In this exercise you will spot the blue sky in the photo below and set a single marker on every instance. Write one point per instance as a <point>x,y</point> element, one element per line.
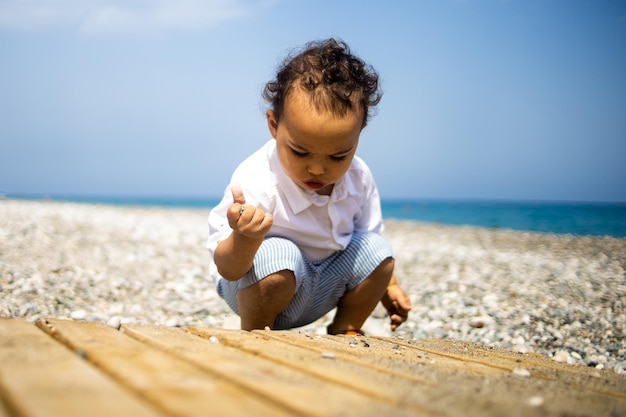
<point>489,99</point>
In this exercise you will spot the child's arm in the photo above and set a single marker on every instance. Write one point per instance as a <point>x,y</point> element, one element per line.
<point>397,304</point>
<point>234,255</point>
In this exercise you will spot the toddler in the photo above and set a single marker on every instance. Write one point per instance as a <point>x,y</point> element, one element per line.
<point>298,230</point>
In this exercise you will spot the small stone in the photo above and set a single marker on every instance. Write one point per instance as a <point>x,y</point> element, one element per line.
<point>480,322</point>
<point>115,322</point>
<point>535,401</point>
<point>564,357</point>
<point>523,372</point>
<point>214,339</point>
<point>328,355</point>
<point>171,323</point>
<point>267,328</point>
<point>561,356</point>
<point>598,359</point>
<point>78,315</point>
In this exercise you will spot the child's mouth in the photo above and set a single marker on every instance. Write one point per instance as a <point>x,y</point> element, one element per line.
<point>314,185</point>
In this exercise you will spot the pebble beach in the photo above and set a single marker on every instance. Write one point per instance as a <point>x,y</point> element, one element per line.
<point>562,296</point>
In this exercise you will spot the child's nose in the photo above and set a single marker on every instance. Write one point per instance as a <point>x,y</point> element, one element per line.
<point>315,168</point>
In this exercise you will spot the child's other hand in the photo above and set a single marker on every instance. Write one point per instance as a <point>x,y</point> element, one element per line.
<point>397,304</point>
<point>247,220</point>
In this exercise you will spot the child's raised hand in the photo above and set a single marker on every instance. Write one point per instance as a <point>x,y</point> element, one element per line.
<point>397,304</point>
<point>247,220</point>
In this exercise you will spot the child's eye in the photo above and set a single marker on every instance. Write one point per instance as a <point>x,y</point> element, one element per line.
<point>338,158</point>
<point>298,154</point>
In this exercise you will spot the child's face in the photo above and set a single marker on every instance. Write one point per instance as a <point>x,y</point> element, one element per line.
<point>314,149</point>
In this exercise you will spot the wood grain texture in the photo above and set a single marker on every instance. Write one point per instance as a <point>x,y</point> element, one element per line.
<point>74,368</point>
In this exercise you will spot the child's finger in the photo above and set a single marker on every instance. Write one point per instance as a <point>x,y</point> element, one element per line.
<point>396,321</point>
<point>238,196</point>
<point>405,304</point>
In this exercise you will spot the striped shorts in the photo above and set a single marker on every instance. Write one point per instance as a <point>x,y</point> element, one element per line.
<point>319,284</point>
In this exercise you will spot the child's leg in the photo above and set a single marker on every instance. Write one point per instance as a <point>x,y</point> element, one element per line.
<point>357,304</point>
<point>268,288</point>
<point>260,303</point>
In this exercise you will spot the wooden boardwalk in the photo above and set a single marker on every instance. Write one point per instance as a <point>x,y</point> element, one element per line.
<point>72,368</point>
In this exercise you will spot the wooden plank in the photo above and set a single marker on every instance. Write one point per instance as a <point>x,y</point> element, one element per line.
<point>171,383</point>
<point>384,354</point>
<point>287,383</point>
<point>470,358</point>
<point>151,371</point>
<point>603,382</point>
<point>3,410</point>
<point>406,386</point>
<point>571,387</point>
<point>462,390</point>
<point>40,377</point>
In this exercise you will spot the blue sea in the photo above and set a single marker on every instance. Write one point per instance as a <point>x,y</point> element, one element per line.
<point>584,218</point>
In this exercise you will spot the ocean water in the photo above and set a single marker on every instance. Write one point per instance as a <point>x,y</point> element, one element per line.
<point>593,219</point>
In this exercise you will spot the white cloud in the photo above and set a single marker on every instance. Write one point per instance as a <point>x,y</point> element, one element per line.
<point>99,17</point>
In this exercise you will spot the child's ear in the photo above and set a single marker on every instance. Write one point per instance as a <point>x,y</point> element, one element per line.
<point>272,122</point>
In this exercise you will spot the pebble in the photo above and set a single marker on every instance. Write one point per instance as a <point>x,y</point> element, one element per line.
<point>173,322</point>
<point>561,296</point>
<point>523,372</point>
<point>566,357</point>
<point>480,322</point>
<point>535,401</point>
<point>78,315</point>
<point>115,322</point>
<point>328,355</point>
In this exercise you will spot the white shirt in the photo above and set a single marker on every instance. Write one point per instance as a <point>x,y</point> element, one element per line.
<point>320,225</point>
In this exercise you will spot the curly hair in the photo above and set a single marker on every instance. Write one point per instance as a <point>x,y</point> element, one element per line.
<point>336,80</point>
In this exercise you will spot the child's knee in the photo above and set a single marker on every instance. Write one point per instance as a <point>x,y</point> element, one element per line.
<point>385,268</point>
<point>279,282</point>
<point>276,287</point>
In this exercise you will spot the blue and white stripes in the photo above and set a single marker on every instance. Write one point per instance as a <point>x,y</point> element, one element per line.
<point>319,285</point>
